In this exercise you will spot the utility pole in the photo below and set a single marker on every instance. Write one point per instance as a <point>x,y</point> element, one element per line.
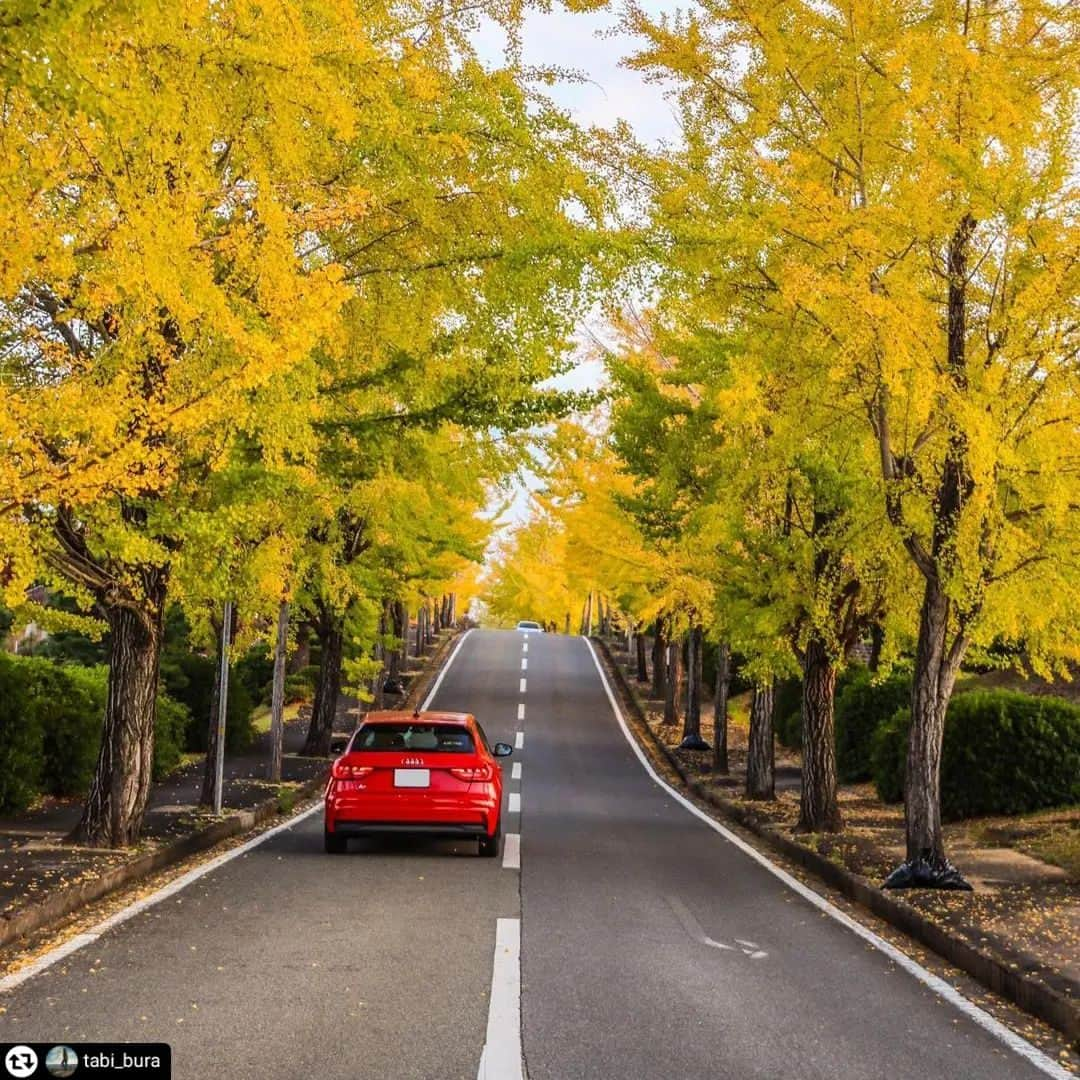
<point>277,695</point>
<point>223,703</point>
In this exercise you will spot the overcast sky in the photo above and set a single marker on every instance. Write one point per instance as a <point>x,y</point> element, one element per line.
<point>591,45</point>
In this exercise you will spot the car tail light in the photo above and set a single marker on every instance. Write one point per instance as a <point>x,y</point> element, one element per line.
<point>343,771</point>
<point>479,772</point>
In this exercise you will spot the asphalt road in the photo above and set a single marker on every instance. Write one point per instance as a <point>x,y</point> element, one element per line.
<point>651,947</point>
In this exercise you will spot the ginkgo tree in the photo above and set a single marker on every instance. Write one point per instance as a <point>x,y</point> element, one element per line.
<point>200,200</point>
<point>894,183</point>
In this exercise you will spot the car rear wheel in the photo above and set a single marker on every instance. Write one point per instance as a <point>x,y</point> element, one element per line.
<point>335,845</point>
<point>489,845</point>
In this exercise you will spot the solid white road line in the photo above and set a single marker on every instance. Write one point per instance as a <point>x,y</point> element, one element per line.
<point>46,960</point>
<point>442,674</point>
<point>515,772</point>
<point>512,851</point>
<point>524,664</point>
<point>988,1023</point>
<point>501,1059</point>
<point>519,740</point>
<point>521,686</point>
<point>515,803</point>
<point>9,982</point>
<point>521,711</point>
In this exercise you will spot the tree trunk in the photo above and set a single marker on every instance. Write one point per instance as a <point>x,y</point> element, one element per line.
<point>379,653</point>
<point>674,682</point>
<point>642,664</point>
<point>720,708</point>
<point>301,658</point>
<point>695,647</point>
<point>116,804</point>
<point>819,810</point>
<point>760,768</point>
<point>936,667</point>
<point>277,693</point>
<point>331,630</point>
<point>659,663</point>
<point>399,621</point>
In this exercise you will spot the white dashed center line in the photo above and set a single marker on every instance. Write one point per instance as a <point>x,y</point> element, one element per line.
<point>512,851</point>
<point>521,711</point>
<point>515,772</point>
<point>524,664</point>
<point>521,688</point>
<point>515,803</point>
<point>519,740</point>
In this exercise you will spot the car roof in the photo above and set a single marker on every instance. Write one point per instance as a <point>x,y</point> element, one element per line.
<point>398,716</point>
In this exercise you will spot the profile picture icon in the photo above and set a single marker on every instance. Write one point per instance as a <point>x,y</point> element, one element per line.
<point>61,1061</point>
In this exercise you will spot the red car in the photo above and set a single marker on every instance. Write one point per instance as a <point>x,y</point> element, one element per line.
<point>432,773</point>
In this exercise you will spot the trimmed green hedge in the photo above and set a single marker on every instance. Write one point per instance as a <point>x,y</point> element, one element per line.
<point>189,678</point>
<point>862,706</point>
<point>1003,753</point>
<point>788,710</point>
<point>787,713</point>
<point>50,729</point>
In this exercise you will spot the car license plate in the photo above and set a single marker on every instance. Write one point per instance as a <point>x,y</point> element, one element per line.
<point>412,778</point>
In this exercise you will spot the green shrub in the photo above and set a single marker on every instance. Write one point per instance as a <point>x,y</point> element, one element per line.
<point>888,756</point>
<point>788,707</point>
<point>189,678</point>
<point>255,671</point>
<point>862,706</point>
<point>21,757</point>
<point>300,686</point>
<point>72,707</point>
<point>1003,753</point>
<point>50,729</point>
<point>787,713</point>
<point>169,733</point>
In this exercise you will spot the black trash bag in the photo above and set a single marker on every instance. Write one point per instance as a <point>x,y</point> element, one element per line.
<point>926,873</point>
<point>694,742</point>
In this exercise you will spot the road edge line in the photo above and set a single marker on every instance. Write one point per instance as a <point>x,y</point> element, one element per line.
<point>1019,1045</point>
<point>443,670</point>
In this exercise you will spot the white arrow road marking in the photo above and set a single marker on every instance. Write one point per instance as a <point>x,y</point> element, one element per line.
<point>512,851</point>
<point>693,927</point>
<point>501,1059</point>
<point>515,772</point>
<point>939,986</point>
<point>519,740</point>
<point>515,803</point>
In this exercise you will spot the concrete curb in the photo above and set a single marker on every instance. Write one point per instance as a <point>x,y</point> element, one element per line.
<point>1055,1007</point>
<point>61,902</point>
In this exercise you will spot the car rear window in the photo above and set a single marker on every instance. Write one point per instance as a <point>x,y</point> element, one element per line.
<point>435,738</point>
